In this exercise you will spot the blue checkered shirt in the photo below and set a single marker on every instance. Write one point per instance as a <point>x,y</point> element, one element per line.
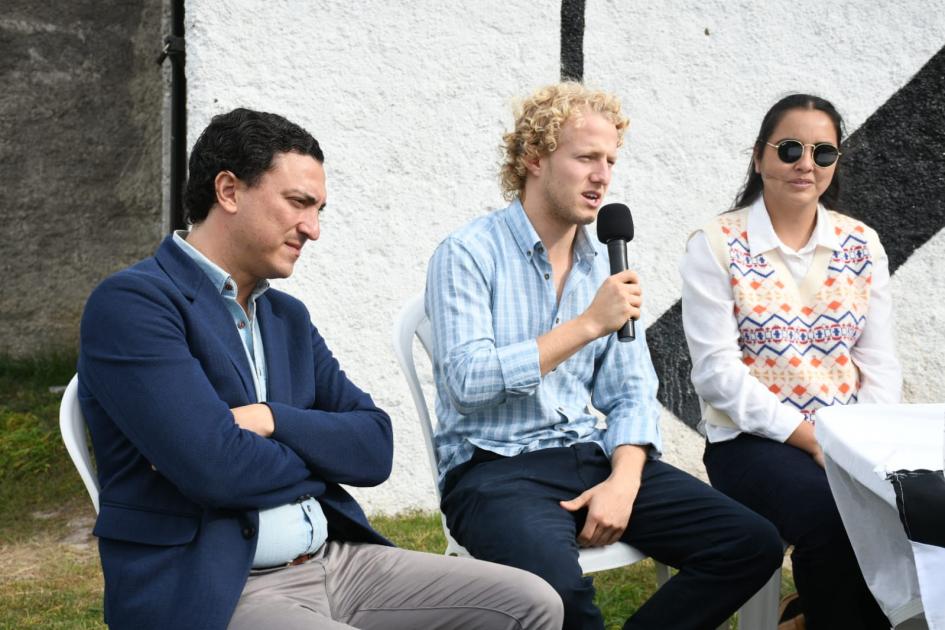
<point>490,294</point>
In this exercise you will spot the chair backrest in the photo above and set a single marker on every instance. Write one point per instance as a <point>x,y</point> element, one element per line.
<point>72,426</point>
<point>412,322</point>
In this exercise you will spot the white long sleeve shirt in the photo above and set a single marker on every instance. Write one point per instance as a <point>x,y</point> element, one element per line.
<point>721,378</point>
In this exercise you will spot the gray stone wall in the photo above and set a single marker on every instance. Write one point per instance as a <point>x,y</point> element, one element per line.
<point>80,159</point>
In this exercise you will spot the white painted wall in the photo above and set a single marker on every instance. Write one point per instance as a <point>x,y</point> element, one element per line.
<point>409,101</point>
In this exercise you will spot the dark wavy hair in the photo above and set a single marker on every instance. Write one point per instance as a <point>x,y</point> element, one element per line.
<point>243,142</point>
<point>753,186</point>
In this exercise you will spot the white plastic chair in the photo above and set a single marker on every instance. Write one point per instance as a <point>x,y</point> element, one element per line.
<point>411,322</point>
<point>761,611</point>
<point>72,427</point>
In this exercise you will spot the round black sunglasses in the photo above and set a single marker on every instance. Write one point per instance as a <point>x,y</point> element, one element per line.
<point>790,151</point>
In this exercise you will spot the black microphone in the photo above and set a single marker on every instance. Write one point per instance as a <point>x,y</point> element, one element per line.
<point>615,228</point>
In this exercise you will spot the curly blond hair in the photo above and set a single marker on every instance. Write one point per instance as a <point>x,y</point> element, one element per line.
<point>538,122</point>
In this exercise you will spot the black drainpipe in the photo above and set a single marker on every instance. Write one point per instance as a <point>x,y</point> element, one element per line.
<point>174,50</point>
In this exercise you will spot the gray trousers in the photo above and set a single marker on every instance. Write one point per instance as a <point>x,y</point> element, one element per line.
<point>349,585</point>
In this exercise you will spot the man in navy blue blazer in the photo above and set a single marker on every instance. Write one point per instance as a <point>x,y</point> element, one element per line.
<point>222,427</point>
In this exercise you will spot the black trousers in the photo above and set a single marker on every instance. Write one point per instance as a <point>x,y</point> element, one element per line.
<point>505,509</point>
<point>785,485</point>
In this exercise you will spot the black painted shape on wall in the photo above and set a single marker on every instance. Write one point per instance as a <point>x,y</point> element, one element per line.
<point>670,354</point>
<point>572,40</point>
<point>893,171</point>
<point>893,166</point>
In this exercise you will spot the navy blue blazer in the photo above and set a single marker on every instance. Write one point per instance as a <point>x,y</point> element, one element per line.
<point>161,364</point>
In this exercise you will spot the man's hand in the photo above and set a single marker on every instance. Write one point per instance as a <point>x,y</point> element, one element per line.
<point>618,299</point>
<point>256,418</point>
<point>608,504</point>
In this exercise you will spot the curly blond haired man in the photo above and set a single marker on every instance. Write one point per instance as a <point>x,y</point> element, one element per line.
<point>524,311</point>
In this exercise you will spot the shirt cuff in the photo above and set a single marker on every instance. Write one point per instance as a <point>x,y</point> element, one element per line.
<point>784,423</point>
<point>623,432</point>
<point>521,371</point>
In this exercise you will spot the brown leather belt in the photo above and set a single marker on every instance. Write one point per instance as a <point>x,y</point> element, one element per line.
<point>305,557</point>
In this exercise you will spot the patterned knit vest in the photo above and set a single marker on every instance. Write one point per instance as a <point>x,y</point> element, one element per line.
<point>795,339</point>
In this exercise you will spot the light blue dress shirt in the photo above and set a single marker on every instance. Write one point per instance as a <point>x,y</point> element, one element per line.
<point>490,294</point>
<point>286,531</point>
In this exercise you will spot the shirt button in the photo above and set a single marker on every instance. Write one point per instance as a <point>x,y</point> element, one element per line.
<point>241,325</point>
<point>249,532</point>
<point>547,276</point>
<point>557,320</point>
<point>539,248</point>
<point>228,286</point>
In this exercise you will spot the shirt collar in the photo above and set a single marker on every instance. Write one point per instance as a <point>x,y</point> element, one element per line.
<point>763,237</point>
<point>220,279</point>
<point>522,229</point>
<point>528,240</point>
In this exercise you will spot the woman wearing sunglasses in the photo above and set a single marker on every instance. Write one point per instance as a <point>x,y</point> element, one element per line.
<point>787,308</point>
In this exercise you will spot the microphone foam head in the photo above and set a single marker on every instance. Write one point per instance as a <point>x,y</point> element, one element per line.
<point>614,222</point>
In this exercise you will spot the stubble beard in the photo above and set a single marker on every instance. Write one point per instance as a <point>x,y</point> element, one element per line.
<point>564,211</point>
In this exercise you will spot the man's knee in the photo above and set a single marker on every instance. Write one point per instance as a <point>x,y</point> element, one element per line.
<point>544,606</point>
<point>755,544</point>
<point>763,539</point>
<point>573,590</point>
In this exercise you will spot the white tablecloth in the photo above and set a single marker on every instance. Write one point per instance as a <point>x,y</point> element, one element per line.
<point>864,445</point>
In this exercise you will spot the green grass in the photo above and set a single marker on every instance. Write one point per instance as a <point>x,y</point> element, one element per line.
<point>44,581</point>
<point>35,472</point>
<point>50,575</point>
<point>52,586</point>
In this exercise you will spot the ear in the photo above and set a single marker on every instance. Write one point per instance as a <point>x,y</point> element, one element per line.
<point>533,165</point>
<point>225,185</point>
<point>755,157</point>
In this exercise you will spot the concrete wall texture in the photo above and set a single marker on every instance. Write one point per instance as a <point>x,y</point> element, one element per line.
<point>80,159</point>
<point>409,101</point>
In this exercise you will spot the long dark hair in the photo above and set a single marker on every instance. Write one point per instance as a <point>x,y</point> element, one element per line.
<point>753,186</point>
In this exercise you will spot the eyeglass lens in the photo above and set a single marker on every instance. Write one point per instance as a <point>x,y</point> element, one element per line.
<point>790,151</point>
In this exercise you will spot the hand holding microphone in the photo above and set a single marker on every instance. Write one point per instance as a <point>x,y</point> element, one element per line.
<point>620,295</point>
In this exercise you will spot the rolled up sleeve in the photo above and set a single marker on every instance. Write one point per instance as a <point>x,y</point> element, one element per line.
<point>625,389</point>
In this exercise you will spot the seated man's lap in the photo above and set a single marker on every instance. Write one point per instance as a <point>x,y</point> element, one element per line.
<point>508,511</point>
<point>375,586</point>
